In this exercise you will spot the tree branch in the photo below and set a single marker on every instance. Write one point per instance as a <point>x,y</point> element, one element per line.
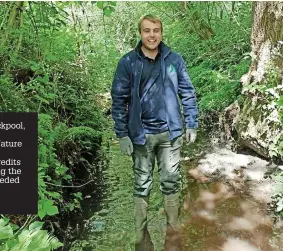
<point>69,186</point>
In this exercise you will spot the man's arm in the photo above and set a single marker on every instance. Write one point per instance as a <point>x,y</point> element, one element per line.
<point>120,93</point>
<point>188,97</point>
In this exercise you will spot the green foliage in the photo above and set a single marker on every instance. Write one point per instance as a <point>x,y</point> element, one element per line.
<point>215,90</point>
<point>12,99</point>
<point>107,7</point>
<point>216,62</point>
<point>27,239</point>
<point>46,207</point>
<point>81,131</point>
<point>61,87</point>
<point>51,169</point>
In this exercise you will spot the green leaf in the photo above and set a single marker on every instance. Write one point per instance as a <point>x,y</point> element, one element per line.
<point>6,230</point>
<point>54,195</point>
<point>41,99</point>
<point>35,66</point>
<point>71,206</point>
<point>280,101</point>
<point>41,213</point>
<point>100,5</point>
<point>47,203</point>
<point>67,177</point>
<point>14,226</point>
<point>34,239</point>
<point>47,208</point>
<point>78,195</point>
<point>112,3</point>
<point>44,80</point>
<point>52,210</point>
<point>51,57</point>
<point>108,10</point>
<point>43,165</point>
<point>35,225</point>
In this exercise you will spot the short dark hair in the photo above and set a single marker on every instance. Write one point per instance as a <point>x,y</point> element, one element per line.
<point>151,18</point>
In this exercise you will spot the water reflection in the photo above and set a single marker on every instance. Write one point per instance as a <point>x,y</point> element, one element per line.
<point>223,217</point>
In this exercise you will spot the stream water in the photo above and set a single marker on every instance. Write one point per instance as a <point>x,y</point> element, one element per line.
<point>222,218</point>
<point>216,214</point>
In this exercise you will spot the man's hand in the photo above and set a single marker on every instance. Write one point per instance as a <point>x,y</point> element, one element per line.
<point>126,145</point>
<point>191,135</point>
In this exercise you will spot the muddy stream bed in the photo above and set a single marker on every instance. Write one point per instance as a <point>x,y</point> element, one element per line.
<point>223,206</point>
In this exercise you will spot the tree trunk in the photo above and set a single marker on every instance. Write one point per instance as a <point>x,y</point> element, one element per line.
<point>15,12</point>
<point>259,126</point>
<point>267,31</point>
<point>13,19</point>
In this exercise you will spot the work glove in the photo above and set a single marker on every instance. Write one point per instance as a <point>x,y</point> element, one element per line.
<point>126,145</point>
<point>191,135</point>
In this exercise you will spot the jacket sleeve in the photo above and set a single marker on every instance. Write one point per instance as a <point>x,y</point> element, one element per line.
<point>120,93</point>
<point>187,95</point>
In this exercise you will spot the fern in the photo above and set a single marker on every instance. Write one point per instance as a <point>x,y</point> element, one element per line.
<point>31,239</point>
<point>80,131</point>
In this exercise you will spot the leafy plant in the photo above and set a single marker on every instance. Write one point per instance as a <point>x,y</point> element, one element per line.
<point>27,239</point>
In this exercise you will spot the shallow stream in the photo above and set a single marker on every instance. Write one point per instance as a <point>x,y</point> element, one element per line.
<point>218,212</point>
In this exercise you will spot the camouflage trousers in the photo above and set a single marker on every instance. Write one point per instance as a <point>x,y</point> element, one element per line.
<point>167,154</point>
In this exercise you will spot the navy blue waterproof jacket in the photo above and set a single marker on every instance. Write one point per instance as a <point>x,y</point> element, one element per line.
<point>126,106</point>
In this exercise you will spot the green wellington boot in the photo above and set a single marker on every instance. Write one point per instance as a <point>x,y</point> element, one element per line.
<point>173,240</point>
<point>143,240</point>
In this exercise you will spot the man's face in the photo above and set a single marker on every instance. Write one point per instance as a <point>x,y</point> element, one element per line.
<point>151,34</point>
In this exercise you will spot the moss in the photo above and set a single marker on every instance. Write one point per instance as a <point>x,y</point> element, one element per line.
<point>255,129</point>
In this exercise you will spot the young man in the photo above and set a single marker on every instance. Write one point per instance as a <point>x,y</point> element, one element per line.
<point>146,89</point>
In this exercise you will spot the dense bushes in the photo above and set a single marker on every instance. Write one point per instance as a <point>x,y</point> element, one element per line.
<point>46,74</point>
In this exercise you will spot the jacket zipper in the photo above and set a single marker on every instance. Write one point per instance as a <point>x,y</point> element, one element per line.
<point>163,71</point>
<point>138,88</point>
